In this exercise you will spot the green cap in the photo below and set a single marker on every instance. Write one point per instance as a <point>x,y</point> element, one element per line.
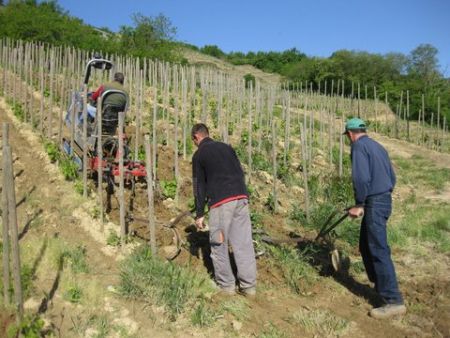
<point>355,124</point>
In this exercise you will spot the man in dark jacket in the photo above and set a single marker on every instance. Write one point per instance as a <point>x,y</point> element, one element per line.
<point>373,181</point>
<point>218,180</point>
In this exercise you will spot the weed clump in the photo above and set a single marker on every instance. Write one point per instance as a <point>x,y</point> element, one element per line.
<point>76,258</point>
<point>294,265</point>
<point>150,278</point>
<point>169,188</point>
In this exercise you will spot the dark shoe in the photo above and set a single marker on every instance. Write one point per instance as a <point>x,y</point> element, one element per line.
<point>249,292</point>
<point>388,311</point>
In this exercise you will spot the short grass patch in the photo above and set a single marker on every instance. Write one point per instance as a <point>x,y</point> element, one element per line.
<point>297,272</point>
<point>272,331</point>
<point>423,221</point>
<point>418,170</point>
<point>236,306</point>
<point>320,322</point>
<point>76,259</point>
<point>152,279</point>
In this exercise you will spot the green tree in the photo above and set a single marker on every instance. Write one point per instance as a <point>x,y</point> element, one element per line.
<point>212,50</point>
<point>150,37</point>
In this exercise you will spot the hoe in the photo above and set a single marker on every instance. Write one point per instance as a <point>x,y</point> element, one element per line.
<point>326,228</point>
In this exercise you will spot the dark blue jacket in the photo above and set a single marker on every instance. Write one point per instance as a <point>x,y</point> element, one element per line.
<point>372,171</point>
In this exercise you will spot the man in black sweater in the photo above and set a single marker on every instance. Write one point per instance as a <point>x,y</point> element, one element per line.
<point>218,181</point>
<point>373,181</point>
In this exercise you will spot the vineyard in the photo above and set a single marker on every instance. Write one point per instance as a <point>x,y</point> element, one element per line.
<point>295,158</point>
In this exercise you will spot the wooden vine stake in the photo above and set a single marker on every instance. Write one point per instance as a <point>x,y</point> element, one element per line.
<point>5,221</point>
<point>12,221</point>
<point>274,164</point>
<point>85,145</point>
<point>123,229</point>
<point>305,170</point>
<point>151,211</point>
<point>100,161</point>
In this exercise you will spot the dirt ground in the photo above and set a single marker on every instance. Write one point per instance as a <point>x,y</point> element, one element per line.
<point>46,195</point>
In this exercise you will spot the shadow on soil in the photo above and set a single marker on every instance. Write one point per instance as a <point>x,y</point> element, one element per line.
<point>27,226</point>
<point>199,247</point>
<point>319,257</point>
<point>27,195</point>
<point>49,297</point>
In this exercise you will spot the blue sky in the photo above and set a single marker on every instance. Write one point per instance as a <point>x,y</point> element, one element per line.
<point>315,27</point>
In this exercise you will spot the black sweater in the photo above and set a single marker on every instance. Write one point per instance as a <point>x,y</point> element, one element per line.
<point>216,174</point>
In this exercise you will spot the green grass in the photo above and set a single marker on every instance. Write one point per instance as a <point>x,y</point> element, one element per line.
<point>418,170</point>
<point>320,322</point>
<point>422,222</point>
<point>297,272</point>
<point>271,331</point>
<point>73,294</point>
<point>76,259</point>
<point>68,168</point>
<point>152,279</point>
<point>237,306</point>
<point>29,327</point>
<point>52,150</point>
<point>169,188</point>
<point>113,239</point>
<point>17,109</point>
<point>204,315</point>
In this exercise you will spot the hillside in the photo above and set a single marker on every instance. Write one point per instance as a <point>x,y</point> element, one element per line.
<point>199,59</point>
<point>81,282</point>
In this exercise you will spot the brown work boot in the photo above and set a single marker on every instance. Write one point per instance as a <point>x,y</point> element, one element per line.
<point>388,311</point>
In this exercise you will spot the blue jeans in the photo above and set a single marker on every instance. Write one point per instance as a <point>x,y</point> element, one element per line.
<point>375,250</point>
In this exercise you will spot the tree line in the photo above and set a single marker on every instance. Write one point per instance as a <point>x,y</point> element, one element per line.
<point>392,73</point>
<point>46,21</point>
<point>357,72</point>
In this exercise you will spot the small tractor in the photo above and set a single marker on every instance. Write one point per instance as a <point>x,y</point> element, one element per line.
<point>134,170</point>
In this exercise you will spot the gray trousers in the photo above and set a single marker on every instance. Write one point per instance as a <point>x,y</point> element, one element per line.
<point>229,224</point>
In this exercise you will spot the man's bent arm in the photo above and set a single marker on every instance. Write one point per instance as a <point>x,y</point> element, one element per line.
<point>360,176</point>
<point>199,185</point>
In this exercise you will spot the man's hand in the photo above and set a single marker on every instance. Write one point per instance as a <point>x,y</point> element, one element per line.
<point>199,223</point>
<point>356,212</point>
